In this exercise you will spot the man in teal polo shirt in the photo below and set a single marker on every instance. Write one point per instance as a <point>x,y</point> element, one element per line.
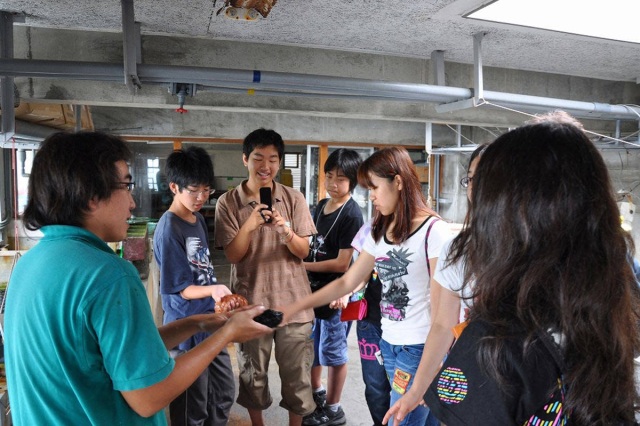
<point>81,344</point>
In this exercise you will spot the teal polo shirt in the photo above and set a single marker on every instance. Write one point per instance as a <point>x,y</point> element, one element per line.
<point>78,330</point>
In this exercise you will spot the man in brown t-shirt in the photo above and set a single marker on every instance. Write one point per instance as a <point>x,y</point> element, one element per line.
<point>266,249</point>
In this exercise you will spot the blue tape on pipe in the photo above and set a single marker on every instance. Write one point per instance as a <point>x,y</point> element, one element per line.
<point>256,76</point>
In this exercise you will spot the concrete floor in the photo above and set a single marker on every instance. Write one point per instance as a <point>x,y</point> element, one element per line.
<point>353,402</point>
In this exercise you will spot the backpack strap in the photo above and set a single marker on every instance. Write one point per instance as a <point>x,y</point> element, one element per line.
<point>553,410</point>
<point>426,242</point>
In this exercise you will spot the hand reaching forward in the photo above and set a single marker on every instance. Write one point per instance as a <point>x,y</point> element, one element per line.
<point>218,291</point>
<point>399,410</point>
<point>241,325</point>
<point>340,303</point>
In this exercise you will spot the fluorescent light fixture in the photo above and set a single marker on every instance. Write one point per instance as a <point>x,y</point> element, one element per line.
<point>611,19</point>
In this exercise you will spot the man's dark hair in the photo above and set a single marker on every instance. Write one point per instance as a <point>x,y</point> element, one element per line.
<point>190,166</point>
<point>68,171</point>
<point>260,138</point>
<point>347,161</point>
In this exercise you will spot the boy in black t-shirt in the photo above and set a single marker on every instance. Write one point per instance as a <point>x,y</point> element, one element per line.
<point>337,220</point>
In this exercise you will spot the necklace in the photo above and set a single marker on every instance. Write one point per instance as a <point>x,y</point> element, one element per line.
<point>332,225</point>
<point>335,220</point>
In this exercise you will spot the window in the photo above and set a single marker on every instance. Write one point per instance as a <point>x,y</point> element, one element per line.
<point>25,161</point>
<point>292,161</point>
<point>153,168</point>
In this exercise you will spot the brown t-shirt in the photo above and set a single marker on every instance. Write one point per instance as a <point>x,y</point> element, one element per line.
<point>269,273</point>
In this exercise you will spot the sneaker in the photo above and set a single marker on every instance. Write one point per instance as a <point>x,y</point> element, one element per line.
<point>317,418</point>
<point>320,398</point>
<point>335,418</point>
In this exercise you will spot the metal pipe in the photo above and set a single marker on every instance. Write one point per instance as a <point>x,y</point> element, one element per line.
<point>5,190</point>
<point>129,43</point>
<point>8,117</point>
<point>77,111</point>
<point>307,83</point>
<point>6,82</point>
<point>312,94</point>
<point>478,81</point>
<point>436,183</point>
<point>578,108</point>
<point>437,61</point>
<point>69,70</point>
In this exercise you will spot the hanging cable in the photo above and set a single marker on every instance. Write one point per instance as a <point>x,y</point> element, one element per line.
<point>495,135</point>
<point>628,106</point>
<point>585,130</point>
<point>460,134</point>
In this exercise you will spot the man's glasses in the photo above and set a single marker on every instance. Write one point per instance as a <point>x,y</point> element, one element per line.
<point>465,181</point>
<point>195,193</point>
<point>127,185</point>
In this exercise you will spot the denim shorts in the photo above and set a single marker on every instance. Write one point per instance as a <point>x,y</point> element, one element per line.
<point>330,341</point>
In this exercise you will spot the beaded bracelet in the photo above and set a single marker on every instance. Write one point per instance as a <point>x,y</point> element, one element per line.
<point>290,233</point>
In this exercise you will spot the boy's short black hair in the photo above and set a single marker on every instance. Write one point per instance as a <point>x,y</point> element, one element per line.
<point>69,170</point>
<point>347,161</point>
<point>190,166</point>
<point>260,138</point>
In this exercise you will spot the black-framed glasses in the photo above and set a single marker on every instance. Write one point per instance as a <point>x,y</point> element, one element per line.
<point>127,185</point>
<point>194,193</point>
<point>466,181</point>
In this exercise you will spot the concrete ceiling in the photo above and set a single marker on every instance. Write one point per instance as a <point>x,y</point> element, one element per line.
<point>371,39</point>
<point>412,29</point>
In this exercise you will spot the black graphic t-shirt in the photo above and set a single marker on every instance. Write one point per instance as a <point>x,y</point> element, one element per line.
<point>326,245</point>
<point>463,394</point>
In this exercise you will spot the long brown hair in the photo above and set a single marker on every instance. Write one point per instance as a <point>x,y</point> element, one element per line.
<point>546,250</point>
<point>388,163</point>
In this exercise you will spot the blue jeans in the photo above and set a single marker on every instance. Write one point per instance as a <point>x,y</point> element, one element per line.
<point>401,363</point>
<point>376,385</point>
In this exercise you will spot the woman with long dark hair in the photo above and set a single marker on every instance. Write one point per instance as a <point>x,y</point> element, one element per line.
<point>554,323</point>
<point>403,246</point>
<point>451,308</point>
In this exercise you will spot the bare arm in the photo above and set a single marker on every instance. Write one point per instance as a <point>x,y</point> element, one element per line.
<point>342,302</point>
<point>180,330</point>
<point>357,273</point>
<point>436,346</point>
<point>203,291</point>
<point>239,328</point>
<point>339,264</point>
<point>434,290</point>
<point>238,247</point>
<point>299,246</point>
